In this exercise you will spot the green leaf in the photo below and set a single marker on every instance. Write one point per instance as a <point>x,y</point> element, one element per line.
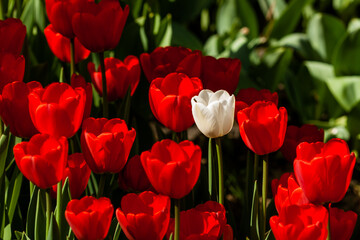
<point>346,91</point>
<point>347,54</point>
<point>53,233</point>
<point>40,219</point>
<point>324,32</point>
<point>39,14</point>
<point>248,17</point>
<point>300,43</point>
<point>254,217</point>
<point>117,232</point>
<point>4,145</point>
<point>27,16</point>
<point>21,236</point>
<point>181,36</point>
<point>226,16</point>
<point>61,204</point>
<point>289,18</point>
<point>14,192</point>
<point>163,38</point>
<point>30,220</point>
<point>354,25</point>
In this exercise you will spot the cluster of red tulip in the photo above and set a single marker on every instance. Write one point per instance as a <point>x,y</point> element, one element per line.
<point>48,116</point>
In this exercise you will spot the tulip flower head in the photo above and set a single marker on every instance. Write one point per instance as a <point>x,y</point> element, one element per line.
<point>263,126</point>
<point>172,168</point>
<point>58,110</point>
<point>106,144</point>
<point>170,100</point>
<point>213,112</point>
<point>324,170</point>
<point>144,216</point>
<point>300,223</point>
<point>14,108</point>
<point>89,218</point>
<point>42,160</point>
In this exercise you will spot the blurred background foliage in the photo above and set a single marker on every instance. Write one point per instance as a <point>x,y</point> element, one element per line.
<point>306,50</point>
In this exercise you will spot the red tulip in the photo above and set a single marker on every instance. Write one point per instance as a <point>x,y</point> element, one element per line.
<point>324,170</point>
<point>78,173</point>
<point>172,168</point>
<point>106,144</point>
<point>144,216</point>
<point>60,13</point>
<point>78,81</point>
<point>60,46</point>
<point>218,211</point>
<point>196,224</point>
<point>222,73</point>
<point>58,110</point>
<point>133,176</point>
<point>89,218</point>
<point>119,76</point>
<point>170,100</point>
<point>14,108</point>
<point>246,97</point>
<point>287,192</point>
<point>99,26</point>
<point>342,223</point>
<point>12,32</point>
<point>165,60</point>
<point>296,135</point>
<point>300,223</point>
<point>12,69</point>
<point>262,127</point>
<point>42,160</point>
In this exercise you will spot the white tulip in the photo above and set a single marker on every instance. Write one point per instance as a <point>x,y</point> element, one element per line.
<point>213,112</point>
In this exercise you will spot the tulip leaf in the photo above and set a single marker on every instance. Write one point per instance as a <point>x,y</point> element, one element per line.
<point>289,18</point>
<point>346,54</point>
<point>117,232</point>
<point>324,32</point>
<point>272,8</point>
<point>226,17</point>
<point>21,236</point>
<point>53,232</point>
<point>60,215</point>
<point>248,17</point>
<point>183,37</point>
<point>171,236</point>
<point>14,192</point>
<point>2,204</point>
<point>346,91</point>
<point>300,43</point>
<point>254,216</point>
<point>40,220</point>
<point>163,37</point>
<point>4,145</point>
<point>30,220</point>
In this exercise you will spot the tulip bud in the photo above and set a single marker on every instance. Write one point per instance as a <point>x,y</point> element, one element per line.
<point>213,112</point>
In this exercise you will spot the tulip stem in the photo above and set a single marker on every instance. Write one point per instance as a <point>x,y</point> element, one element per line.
<point>48,209</point>
<point>72,56</point>
<point>328,226</point>
<point>101,185</point>
<point>256,166</point>
<point>210,168</point>
<point>104,86</point>
<point>220,170</point>
<point>177,219</point>
<point>59,205</point>
<point>264,191</point>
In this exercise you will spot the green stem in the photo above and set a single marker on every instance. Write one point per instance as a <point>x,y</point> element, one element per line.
<point>104,86</point>
<point>59,206</point>
<point>101,185</point>
<point>48,209</point>
<point>256,166</point>
<point>1,11</point>
<point>247,181</point>
<point>220,170</point>
<point>177,219</point>
<point>2,128</point>
<point>264,192</point>
<point>72,56</point>
<point>329,226</point>
<point>210,168</point>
